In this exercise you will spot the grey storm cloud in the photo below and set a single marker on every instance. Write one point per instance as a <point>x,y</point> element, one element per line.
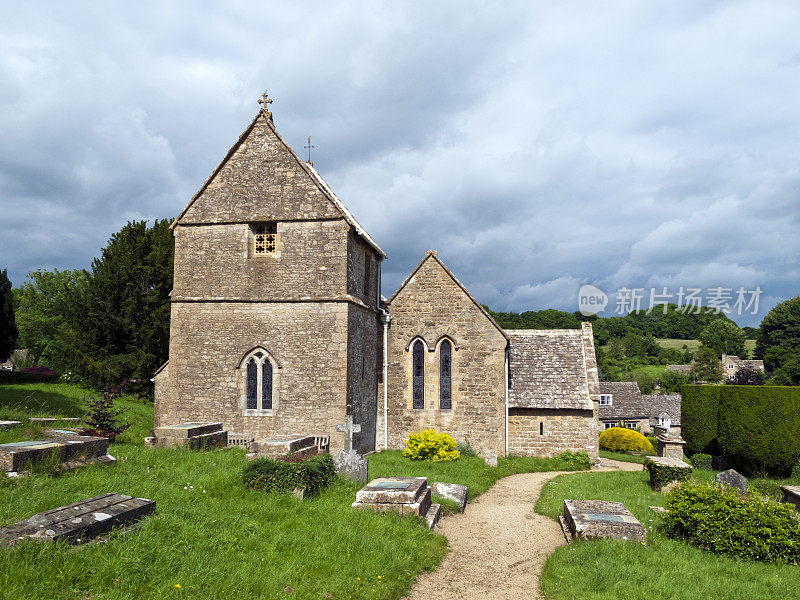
<point>537,146</point>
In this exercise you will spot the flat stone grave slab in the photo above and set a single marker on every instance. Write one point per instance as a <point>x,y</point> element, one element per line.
<point>276,446</point>
<point>791,494</point>
<point>406,495</point>
<point>452,491</point>
<point>70,449</point>
<point>54,420</point>
<point>599,519</point>
<point>194,435</point>
<point>81,521</point>
<point>9,424</point>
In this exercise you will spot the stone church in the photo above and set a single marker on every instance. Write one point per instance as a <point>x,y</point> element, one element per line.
<point>278,327</point>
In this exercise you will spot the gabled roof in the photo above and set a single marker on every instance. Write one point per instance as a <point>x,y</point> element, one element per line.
<point>431,255</point>
<point>626,401</point>
<point>664,403</point>
<point>548,369</point>
<point>743,363</point>
<point>310,171</point>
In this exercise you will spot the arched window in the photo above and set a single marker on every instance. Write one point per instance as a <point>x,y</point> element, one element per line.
<point>445,374</point>
<point>418,374</point>
<point>258,381</point>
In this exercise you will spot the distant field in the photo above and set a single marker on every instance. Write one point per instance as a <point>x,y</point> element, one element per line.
<point>655,371</point>
<point>695,344</point>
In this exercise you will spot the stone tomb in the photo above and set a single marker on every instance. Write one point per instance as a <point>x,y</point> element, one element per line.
<point>598,519</point>
<point>452,491</point>
<point>9,424</point>
<point>791,495</point>
<point>194,435</point>
<point>275,447</point>
<point>69,448</point>
<point>406,495</point>
<point>81,521</point>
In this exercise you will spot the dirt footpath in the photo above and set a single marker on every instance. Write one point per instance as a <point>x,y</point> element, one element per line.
<point>499,545</point>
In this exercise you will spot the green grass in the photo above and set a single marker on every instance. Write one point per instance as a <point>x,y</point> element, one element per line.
<point>612,570</point>
<point>655,371</point>
<point>695,344</point>
<point>215,539</point>
<point>470,471</point>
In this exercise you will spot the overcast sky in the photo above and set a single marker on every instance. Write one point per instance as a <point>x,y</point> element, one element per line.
<point>537,147</point>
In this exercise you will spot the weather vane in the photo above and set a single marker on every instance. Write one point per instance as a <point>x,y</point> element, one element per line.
<point>265,101</point>
<point>309,147</point>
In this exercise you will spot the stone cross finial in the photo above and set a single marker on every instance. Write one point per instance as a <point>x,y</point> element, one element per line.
<point>348,428</point>
<point>265,101</point>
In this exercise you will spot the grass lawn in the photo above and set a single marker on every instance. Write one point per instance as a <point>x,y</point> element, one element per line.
<point>613,570</point>
<point>695,344</point>
<point>212,538</point>
<point>655,371</point>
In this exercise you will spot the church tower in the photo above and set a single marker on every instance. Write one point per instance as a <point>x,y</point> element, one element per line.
<point>275,306</point>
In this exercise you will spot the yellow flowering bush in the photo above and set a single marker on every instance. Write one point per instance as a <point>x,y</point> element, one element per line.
<point>430,445</point>
<point>622,439</point>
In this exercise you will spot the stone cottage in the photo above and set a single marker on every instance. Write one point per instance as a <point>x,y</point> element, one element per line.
<point>278,327</point>
<point>622,403</point>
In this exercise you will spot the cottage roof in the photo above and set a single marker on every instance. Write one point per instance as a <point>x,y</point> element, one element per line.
<point>314,176</point>
<point>626,401</point>
<point>669,404</point>
<point>548,369</point>
<point>431,255</point>
<point>756,365</point>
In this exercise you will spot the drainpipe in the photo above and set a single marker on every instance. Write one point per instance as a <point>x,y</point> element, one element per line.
<point>506,386</point>
<point>385,319</point>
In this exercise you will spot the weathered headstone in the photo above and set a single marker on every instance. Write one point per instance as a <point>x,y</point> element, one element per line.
<point>348,462</point>
<point>406,495</point>
<point>65,447</point>
<point>732,478</point>
<point>791,495</point>
<point>9,424</point>
<point>490,460</point>
<point>598,519</point>
<point>81,521</point>
<point>452,491</point>
<point>194,435</point>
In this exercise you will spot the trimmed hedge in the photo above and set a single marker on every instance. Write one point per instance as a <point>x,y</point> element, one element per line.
<point>720,521</point>
<point>753,427</point>
<point>268,475</point>
<point>702,461</point>
<point>622,439</point>
<point>699,412</point>
<point>661,475</point>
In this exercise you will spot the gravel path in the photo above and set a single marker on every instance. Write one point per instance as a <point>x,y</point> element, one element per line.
<point>499,545</point>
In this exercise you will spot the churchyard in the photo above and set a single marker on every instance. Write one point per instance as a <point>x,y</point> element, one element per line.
<point>212,537</point>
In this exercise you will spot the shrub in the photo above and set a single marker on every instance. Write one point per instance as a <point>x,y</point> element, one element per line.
<point>622,439</point>
<point>575,459</point>
<point>430,445</point>
<point>102,418</point>
<point>312,474</point>
<point>718,520</point>
<point>464,449</point>
<point>702,461</point>
<point>795,476</point>
<point>661,475</point>
<point>699,413</point>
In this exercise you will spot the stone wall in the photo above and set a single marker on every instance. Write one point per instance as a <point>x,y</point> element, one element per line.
<point>308,343</point>
<point>548,432</point>
<point>431,305</point>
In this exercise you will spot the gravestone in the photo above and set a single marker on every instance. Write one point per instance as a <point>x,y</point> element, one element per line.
<point>194,435</point>
<point>348,462</point>
<point>732,478</point>
<point>452,491</point>
<point>670,445</point>
<point>81,521</point>
<point>9,424</point>
<point>405,495</point>
<point>791,495</point>
<point>66,447</point>
<point>277,446</point>
<point>598,519</point>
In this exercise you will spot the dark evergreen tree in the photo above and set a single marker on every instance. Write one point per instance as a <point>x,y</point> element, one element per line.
<point>778,342</point>
<point>8,327</point>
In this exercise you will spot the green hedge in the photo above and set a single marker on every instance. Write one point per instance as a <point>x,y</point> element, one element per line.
<point>267,475</point>
<point>753,427</point>
<point>702,461</point>
<point>699,412</point>
<point>720,521</point>
<point>759,427</point>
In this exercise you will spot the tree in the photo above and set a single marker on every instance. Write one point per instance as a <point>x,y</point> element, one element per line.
<point>707,366</point>
<point>45,307</point>
<point>673,381</point>
<point>724,337</point>
<point>8,327</point>
<point>778,342</point>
